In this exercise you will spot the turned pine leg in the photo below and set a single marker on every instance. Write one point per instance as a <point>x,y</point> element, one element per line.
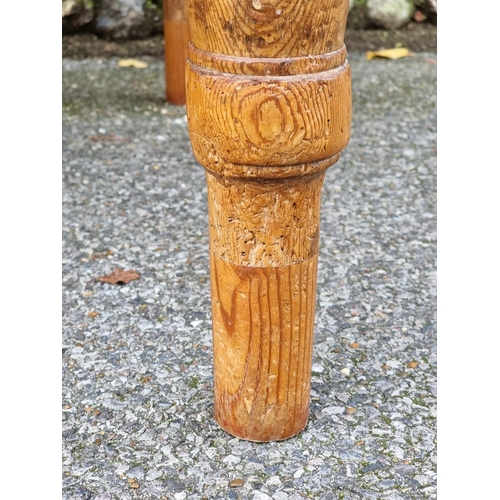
<point>269,110</point>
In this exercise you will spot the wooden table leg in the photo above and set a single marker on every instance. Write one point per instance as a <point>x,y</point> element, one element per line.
<point>176,35</point>
<point>269,110</point>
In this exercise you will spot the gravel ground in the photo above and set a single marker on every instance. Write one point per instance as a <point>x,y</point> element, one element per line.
<point>137,358</point>
<point>417,37</point>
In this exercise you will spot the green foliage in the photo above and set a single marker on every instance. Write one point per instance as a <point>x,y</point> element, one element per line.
<point>89,4</point>
<point>193,383</point>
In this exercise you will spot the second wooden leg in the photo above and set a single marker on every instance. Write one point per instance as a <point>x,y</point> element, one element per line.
<point>176,34</point>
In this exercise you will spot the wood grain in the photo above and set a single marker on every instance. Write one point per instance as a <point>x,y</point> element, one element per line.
<point>268,28</point>
<point>263,320</point>
<point>264,240</point>
<point>267,66</point>
<point>269,110</point>
<point>272,120</point>
<point>264,223</point>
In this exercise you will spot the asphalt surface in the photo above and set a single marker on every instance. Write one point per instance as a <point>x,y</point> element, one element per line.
<point>137,358</point>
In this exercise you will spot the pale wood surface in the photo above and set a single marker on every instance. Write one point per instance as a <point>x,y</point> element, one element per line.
<point>269,110</point>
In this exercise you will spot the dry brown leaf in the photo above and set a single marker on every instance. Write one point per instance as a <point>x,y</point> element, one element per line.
<point>351,410</point>
<point>132,63</point>
<point>354,345</point>
<point>359,443</point>
<point>412,364</point>
<point>236,483</point>
<point>396,53</point>
<point>92,314</point>
<point>119,276</point>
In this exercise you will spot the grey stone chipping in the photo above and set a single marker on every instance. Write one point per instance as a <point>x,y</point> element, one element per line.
<point>137,400</point>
